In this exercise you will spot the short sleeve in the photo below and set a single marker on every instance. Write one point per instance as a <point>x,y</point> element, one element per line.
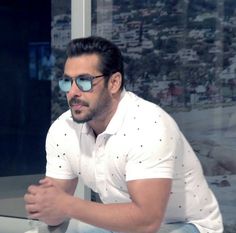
<point>156,152</point>
<point>58,165</point>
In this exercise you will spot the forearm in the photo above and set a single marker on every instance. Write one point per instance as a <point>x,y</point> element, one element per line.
<point>143,214</point>
<point>124,217</point>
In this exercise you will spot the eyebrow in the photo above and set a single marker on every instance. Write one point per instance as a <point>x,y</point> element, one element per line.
<point>77,75</point>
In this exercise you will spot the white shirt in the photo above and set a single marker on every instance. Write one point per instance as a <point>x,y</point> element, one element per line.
<point>141,141</point>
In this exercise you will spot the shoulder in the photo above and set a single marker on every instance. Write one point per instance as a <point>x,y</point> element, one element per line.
<point>149,115</point>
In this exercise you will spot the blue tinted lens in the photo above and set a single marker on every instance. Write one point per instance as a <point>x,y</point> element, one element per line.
<point>84,83</point>
<point>65,84</point>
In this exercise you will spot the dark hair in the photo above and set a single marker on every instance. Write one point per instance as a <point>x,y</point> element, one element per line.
<point>111,59</point>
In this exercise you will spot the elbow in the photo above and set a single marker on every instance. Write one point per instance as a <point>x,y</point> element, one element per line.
<point>53,222</point>
<point>152,228</point>
<point>149,226</point>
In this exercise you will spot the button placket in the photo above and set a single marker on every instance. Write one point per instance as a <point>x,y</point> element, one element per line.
<point>100,163</point>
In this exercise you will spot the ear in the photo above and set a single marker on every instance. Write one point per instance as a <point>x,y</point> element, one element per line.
<point>114,83</point>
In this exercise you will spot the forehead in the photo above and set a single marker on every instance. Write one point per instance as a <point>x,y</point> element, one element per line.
<point>82,64</point>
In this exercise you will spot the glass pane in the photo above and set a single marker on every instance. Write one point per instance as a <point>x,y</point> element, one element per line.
<point>25,89</point>
<point>181,55</point>
<point>33,39</point>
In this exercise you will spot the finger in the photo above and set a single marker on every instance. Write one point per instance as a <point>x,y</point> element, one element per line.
<point>29,198</point>
<point>46,182</point>
<point>46,185</point>
<point>31,209</point>
<point>33,189</point>
<point>34,215</point>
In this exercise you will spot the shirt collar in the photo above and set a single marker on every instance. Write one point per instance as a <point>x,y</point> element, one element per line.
<point>117,119</point>
<point>119,116</point>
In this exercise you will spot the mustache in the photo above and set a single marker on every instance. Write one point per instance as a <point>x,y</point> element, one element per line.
<point>75,100</point>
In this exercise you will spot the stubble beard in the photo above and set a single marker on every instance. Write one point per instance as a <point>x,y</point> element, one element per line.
<point>76,113</point>
<point>86,118</point>
<point>101,108</point>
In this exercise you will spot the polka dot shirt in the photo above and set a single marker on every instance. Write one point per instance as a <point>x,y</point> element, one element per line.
<point>141,141</point>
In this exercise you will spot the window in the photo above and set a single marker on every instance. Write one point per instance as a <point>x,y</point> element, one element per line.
<point>33,39</point>
<point>181,55</point>
<point>186,47</point>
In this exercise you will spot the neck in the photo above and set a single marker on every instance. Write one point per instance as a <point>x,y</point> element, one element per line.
<point>99,124</point>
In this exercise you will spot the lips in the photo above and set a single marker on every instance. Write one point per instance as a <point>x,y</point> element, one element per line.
<point>77,104</point>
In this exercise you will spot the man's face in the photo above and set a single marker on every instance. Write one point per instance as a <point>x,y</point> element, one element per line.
<point>91,105</point>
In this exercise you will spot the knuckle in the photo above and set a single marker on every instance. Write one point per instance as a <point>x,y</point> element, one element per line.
<point>30,188</point>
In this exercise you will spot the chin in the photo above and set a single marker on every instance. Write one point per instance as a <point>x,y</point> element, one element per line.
<point>80,119</point>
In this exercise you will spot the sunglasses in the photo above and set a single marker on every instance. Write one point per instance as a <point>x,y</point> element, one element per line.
<point>84,82</point>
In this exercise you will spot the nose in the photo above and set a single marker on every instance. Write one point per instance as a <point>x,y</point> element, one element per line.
<point>74,90</point>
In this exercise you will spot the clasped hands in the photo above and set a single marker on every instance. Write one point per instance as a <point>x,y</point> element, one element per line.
<point>45,202</point>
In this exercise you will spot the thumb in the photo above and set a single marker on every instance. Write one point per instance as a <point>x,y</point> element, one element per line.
<point>46,182</point>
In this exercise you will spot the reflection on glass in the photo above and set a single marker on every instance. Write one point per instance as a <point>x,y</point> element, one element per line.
<point>41,61</point>
<point>181,55</point>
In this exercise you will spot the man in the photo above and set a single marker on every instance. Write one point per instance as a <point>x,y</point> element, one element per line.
<point>126,149</point>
